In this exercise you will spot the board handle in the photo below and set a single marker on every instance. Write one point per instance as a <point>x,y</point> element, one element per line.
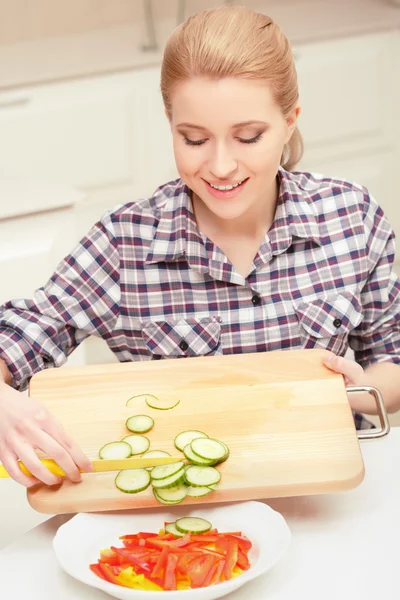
<point>369,434</point>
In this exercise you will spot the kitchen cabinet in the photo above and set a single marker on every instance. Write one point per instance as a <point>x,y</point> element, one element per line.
<point>108,137</point>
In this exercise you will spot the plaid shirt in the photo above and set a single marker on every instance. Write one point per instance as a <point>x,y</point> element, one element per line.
<point>152,286</point>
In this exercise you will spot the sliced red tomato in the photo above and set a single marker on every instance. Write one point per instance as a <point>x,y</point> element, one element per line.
<point>244,543</point>
<point>243,561</point>
<point>231,558</point>
<point>170,572</point>
<point>218,573</point>
<point>97,570</point>
<point>110,557</point>
<point>108,573</point>
<point>161,563</point>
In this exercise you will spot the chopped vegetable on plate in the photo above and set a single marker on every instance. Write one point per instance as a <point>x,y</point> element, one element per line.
<point>188,553</point>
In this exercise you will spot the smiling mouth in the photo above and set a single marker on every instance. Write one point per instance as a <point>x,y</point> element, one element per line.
<point>227,188</point>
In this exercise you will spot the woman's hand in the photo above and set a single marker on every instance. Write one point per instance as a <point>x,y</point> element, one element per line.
<point>354,376</point>
<point>352,372</point>
<point>25,425</point>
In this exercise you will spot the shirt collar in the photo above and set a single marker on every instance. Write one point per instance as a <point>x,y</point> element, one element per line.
<point>177,234</point>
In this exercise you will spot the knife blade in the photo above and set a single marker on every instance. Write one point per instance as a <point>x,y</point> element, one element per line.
<point>100,466</point>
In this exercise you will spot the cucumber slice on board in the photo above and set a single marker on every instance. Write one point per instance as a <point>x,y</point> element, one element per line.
<point>208,449</point>
<point>138,443</point>
<point>163,403</point>
<point>135,399</point>
<point>199,492</point>
<point>139,423</point>
<point>202,476</point>
<point>171,495</point>
<point>115,450</point>
<point>193,458</point>
<point>173,481</point>
<point>132,481</point>
<point>193,525</point>
<point>184,438</point>
<point>165,471</point>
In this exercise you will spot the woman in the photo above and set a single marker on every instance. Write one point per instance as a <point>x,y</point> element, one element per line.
<point>239,255</point>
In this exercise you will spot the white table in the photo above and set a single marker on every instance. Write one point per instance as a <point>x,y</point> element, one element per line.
<point>345,546</point>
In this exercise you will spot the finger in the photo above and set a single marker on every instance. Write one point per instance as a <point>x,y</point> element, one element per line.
<point>28,456</point>
<point>55,430</point>
<point>351,370</point>
<point>10,462</point>
<point>52,448</point>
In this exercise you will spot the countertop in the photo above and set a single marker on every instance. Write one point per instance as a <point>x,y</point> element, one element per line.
<point>343,545</point>
<point>119,48</point>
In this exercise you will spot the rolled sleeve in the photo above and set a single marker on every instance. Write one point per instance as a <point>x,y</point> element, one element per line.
<point>80,299</point>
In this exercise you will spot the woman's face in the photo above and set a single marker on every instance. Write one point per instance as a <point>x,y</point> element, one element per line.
<point>228,137</point>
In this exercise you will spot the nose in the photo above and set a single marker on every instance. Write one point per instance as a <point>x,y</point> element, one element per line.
<point>222,163</point>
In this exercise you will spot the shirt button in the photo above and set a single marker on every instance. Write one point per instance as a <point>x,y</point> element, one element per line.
<point>337,323</point>
<point>256,300</point>
<point>184,345</point>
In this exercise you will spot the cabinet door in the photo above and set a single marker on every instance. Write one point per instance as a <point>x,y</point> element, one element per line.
<point>153,149</point>
<point>345,93</point>
<point>76,133</point>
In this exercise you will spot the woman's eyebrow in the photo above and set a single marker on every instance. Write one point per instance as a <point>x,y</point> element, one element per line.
<point>236,126</point>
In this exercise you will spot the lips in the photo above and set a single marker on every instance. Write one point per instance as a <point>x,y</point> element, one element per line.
<point>225,194</point>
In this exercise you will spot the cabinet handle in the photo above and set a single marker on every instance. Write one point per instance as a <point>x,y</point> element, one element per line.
<point>152,44</point>
<point>15,102</point>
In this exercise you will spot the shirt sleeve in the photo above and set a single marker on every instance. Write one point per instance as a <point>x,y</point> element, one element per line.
<point>80,299</point>
<point>377,338</point>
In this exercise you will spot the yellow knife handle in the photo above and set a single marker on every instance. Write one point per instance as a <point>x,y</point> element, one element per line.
<point>48,462</point>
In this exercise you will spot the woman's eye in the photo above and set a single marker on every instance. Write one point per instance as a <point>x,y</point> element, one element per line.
<point>193,142</point>
<point>251,140</point>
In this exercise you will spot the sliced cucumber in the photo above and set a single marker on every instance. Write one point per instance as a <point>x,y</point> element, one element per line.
<point>171,495</point>
<point>164,471</point>
<point>184,438</point>
<point>138,443</point>
<point>227,451</point>
<point>199,492</point>
<point>139,423</point>
<point>202,476</point>
<point>193,525</point>
<point>132,481</point>
<point>115,450</point>
<point>213,487</point>
<point>154,454</point>
<point>135,399</point>
<point>169,482</point>
<point>208,449</point>
<point>170,528</point>
<point>196,460</point>
<point>162,403</point>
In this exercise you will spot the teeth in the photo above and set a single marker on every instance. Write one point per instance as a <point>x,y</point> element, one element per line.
<point>226,187</point>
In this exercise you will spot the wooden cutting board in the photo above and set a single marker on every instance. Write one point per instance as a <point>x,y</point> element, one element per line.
<point>284,416</point>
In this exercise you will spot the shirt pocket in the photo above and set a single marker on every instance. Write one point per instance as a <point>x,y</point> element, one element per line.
<point>182,338</point>
<point>327,322</point>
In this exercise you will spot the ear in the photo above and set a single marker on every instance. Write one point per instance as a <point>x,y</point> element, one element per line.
<point>291,121</point>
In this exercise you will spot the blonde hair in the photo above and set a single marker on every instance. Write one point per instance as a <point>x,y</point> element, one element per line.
<point>234,41</point>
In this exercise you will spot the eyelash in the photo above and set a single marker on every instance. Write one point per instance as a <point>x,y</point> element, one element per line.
<point>241,140</point>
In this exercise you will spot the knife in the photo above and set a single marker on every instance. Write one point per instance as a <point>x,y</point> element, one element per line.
<point>99,466</point>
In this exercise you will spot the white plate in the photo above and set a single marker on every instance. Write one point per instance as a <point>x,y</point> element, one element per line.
<point>78,542</point>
